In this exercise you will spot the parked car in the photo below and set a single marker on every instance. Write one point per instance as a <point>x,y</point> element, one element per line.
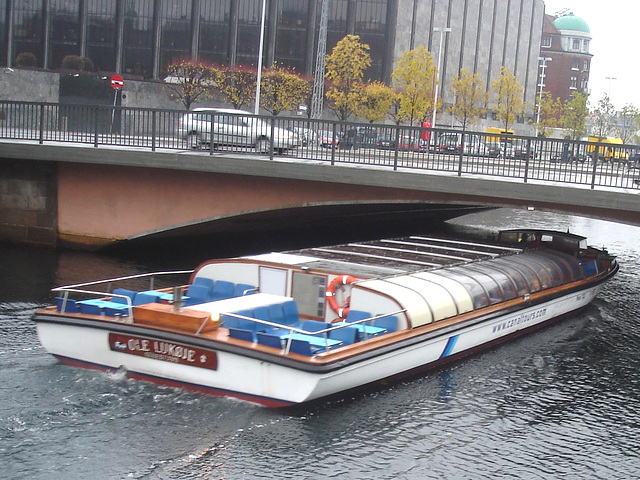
<point>358,137</point>
<point>409,144</point>
<point>386,142</point>
<point>225,126</point>
<point>633,163</point>
<point>452,143</point>
<point>327,139</point>
<point>518,149</point>
<point>307,136</point>
<point>494,149</point>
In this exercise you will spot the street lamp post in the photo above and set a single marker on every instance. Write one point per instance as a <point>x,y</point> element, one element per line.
<point>435,96</point>
<point>541,85</point>
<point>260,49</point>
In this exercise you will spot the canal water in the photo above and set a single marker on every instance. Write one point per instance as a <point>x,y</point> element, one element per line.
<point>562,403</point>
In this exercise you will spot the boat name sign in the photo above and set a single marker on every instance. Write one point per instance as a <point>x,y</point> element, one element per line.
<point>165,351</point>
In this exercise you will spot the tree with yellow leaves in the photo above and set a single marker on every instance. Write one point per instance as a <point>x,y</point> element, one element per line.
<point>470,98</point>
<point>415,78</point>
<point>237,84</point>
<point>548,111</point>
<point>282,89</point>
<point>377,101</point>
<point>510,103</point>
<point>345,67</point>
<point>188,80</point>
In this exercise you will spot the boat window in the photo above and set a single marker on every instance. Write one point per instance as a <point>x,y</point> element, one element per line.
<point>515,275</point>
<point>548,272</point>
<point>475,289</point>
<point>504,281</point>
<point>532,278</point>
<point>570,262</point>
<point>489,284</point>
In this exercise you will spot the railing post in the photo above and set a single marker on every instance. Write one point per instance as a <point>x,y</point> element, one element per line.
<point>396,150</point>
<point>461,154</point>
<point>526,160</point>
<point>153,131</point>
<point>273,129</point>
<point>595,166</point>
<point>41,141</point>
<point>95,127</point>
<point>333,145</point>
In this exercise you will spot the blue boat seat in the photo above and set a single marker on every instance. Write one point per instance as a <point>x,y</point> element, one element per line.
<point>143,297</point>
<point>390,324</point>
<point>89,308</point>
<point>198,293</point>
<point>312,326</point>
<point>269,340</point>
<point>242,289</point>
<point>116,309</point>
<point>355,315</point>
<point>123,291</point>
<point>301,347</point>
<point>347,335</point>
<point>227,321</point>
<point>70,307</point>
<point>290,310</point>
<point>222,290</point>
<point>242,334</point>
<point>262,313</point>
<point>204,281</point>
<point>276,314</point>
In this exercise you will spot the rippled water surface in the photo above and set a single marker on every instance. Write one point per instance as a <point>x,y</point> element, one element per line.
<point>561,403</point>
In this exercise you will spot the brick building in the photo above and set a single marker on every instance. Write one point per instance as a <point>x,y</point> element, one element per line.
<point>565,59</point>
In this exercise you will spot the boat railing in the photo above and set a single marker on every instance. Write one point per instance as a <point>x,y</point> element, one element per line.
<point>150,275</point>
<point>325,332</point>
<point>80,287</point>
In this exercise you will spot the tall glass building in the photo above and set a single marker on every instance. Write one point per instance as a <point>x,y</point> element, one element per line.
<point>141,37</point>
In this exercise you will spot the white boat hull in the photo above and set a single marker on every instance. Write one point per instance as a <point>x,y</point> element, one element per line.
<point>277,383</point>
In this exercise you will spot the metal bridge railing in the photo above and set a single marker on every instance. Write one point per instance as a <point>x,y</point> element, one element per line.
<point>593,164</point>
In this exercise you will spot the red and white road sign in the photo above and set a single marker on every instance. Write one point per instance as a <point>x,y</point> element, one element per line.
<point>117,82</point>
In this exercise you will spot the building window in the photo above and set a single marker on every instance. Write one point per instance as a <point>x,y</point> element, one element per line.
<point>576,64</point>
<point>585,47</point>
<point>214,31</point>
<point>576,44</point>
<point>546,42</point>
<point>585,67</point>
<point>138,38</point>
<point>574,83</point>
<point>101,34</point>
<point>291,34</point>
<point>584,84</point>
<point>249,24</point>
<point>176,31</point>
<point>371,26</point>
<point>65,31</point>
<point>28,26</point>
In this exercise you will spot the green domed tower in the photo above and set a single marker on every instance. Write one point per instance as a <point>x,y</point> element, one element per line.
<point>565,52</point>
<point>571,22</point>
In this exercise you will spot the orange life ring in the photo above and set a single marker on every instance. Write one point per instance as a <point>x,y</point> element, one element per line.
<point>338,282</point>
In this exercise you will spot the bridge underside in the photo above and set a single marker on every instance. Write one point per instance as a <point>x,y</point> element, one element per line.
<point>104,205</point>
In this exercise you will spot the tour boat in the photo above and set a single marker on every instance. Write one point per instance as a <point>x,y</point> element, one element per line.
<point>281,329</point>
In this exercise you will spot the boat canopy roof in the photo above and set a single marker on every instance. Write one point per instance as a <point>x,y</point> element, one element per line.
<point>436,294</point>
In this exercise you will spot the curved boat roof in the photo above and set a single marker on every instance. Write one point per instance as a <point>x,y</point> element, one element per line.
<point>445,292</point>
